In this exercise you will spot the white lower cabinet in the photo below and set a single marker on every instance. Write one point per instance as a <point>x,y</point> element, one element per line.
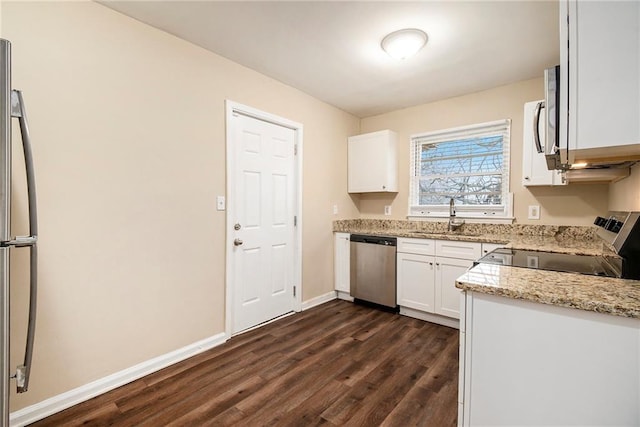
<point>342,257</point>
<point>447,301</point>
<point>426,279</point>
<point>530,364</point>
<point>416,274</point>
<point>488,247</point>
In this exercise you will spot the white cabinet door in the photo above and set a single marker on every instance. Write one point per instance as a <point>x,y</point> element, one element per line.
<point>534,164</point>
<point>416,281</point>
<point>373,162</point>
<point>488,247</point>
<point>456,249</point>
<point>447,301</point>
<point>603,84</point>
<point>341,262</point>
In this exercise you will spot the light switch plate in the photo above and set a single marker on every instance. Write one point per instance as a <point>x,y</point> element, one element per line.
<point>534,212</point>
<point>220,203</point>
<point>335,209</point>
<point>387,210</point>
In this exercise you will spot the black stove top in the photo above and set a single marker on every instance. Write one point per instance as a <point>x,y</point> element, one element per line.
<point>583,264</point>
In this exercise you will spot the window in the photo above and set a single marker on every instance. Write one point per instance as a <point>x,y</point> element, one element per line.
<point>469,164</point>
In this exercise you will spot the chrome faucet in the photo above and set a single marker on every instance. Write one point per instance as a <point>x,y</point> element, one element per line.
<point>453,223</point>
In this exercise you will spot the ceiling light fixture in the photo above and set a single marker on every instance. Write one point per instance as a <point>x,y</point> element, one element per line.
<point>402,44</point>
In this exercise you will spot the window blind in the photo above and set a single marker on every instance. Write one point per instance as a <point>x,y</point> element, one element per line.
<point>469,164</point>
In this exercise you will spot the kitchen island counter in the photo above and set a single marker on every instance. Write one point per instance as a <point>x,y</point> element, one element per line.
<point>617,297</point>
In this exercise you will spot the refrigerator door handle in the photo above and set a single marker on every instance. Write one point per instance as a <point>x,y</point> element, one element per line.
<point>18,111</point>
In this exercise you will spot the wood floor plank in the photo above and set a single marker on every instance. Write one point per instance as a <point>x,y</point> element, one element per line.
<point>170,395</point>
<point>374,410</point>
<point>209,407</point>
<point>309,413</point>
<point>335,364</point>
<point>363,362</point>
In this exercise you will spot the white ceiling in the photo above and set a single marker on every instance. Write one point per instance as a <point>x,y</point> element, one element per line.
<point>331,49</point>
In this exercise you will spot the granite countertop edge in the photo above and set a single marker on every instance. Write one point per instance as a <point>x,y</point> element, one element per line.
<point>618,297</point>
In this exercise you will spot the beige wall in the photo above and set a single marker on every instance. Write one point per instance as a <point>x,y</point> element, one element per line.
<point>128,125</point>
<point>129,142</point>
<point>625,195</point>
<point>571,205</point>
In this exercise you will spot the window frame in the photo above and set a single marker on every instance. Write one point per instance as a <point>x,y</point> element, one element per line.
<point>475,213</point>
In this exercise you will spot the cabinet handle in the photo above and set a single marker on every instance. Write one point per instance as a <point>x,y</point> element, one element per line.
<point>527,178</point>
<point>384,187</point>
<point>437,263</point>
<point>430,263</point>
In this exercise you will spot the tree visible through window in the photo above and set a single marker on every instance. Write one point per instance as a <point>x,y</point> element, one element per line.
<point>470,165</point>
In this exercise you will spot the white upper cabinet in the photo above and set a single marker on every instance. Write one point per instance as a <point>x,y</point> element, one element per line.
<point>373,162</point>
<point>534,165</point>
<point>600,66</point>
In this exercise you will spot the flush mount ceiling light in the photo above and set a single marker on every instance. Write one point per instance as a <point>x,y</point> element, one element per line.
<point>402,44</point>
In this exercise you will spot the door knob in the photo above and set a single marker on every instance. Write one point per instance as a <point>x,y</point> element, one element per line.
<point>237,242</point>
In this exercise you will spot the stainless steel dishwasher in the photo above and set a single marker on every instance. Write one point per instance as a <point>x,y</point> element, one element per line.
<point>373,269</point>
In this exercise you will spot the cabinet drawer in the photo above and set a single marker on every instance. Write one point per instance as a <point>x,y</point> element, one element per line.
<point>417,246</point>
<point>462,250</point>
<point>488,247</point>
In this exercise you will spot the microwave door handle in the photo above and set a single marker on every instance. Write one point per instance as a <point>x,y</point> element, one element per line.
<point>536,126</point>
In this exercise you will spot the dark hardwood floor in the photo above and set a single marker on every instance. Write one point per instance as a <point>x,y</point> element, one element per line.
<point>336,364</point>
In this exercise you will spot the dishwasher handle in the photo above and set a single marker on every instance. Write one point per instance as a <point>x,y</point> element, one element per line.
<point>373,240</point>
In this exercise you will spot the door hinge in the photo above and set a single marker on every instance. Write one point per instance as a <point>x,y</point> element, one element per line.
<point>295,221</point>
<point>294,291</point>
<point>295,149</point>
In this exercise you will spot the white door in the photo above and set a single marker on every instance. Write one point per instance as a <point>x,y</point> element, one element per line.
<point>263,234</point>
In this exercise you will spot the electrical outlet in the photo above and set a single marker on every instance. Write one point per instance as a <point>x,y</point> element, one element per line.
<point>335,209</point>
<point>534,212</point>
<point>220,203</point>
<point>387,210</point>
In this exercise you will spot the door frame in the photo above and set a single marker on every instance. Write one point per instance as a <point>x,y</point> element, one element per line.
<point>237,108</point>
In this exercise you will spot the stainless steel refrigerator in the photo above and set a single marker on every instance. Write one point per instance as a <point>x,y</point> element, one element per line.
<point>12,106</point>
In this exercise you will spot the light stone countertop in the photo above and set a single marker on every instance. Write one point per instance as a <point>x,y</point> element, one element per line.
<point>617,297</point>
<point>579,240</point>
<point>567,245</point>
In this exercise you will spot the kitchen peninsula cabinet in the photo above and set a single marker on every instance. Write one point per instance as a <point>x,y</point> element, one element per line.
<point>373,162</point>
<point>526,363</point>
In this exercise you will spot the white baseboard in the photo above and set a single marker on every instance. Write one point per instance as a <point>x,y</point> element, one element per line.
<point>429,317</point>
<point>65,400</point>
<point>329,296</point>
<point>345,296</point>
